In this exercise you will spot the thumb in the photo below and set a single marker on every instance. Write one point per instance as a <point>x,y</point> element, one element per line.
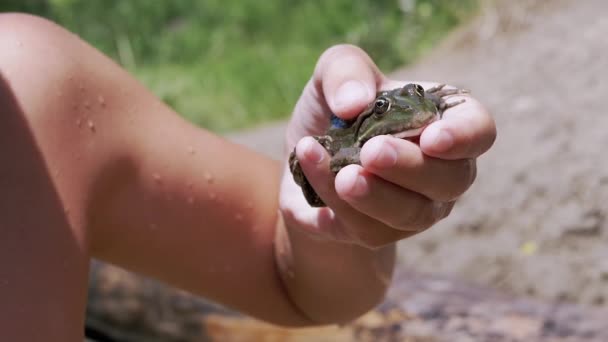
<point>348,79</point>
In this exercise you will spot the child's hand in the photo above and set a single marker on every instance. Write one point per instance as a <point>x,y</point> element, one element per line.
<point>402,188</point>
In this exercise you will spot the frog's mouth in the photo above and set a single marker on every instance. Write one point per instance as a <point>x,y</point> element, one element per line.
<point>415,132</point>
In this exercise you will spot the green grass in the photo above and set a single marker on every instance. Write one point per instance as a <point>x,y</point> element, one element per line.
<point>230,64</point>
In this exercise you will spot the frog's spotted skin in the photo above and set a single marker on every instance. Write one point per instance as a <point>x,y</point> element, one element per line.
<point>401,112</point>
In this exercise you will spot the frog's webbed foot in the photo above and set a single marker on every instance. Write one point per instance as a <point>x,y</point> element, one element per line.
<point>437,94</point>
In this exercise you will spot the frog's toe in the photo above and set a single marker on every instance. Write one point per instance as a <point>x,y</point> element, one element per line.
<point>435,88</point>
<point>447,105</point>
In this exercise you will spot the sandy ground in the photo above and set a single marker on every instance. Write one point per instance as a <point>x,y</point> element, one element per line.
<point>534,221</point>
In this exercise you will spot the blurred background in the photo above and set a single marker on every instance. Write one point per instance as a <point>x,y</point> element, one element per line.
<point>522,257</point>
<point>232,64</point>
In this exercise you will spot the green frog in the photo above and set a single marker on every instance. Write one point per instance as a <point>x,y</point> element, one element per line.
<point>401,112</point>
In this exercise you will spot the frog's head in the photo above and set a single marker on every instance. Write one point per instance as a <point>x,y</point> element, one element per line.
<point>402,112</point>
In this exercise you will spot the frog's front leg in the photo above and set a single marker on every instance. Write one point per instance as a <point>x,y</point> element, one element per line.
<point>345,156</point>
<point>325,141</point>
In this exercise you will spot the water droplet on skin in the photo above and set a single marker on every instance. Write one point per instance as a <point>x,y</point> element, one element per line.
<point>101,100</point>
<point>153,226</point>
<point>91,125</point>
<point>208,178</point>
<point>238,217</point>
<point>157,178</point>
<point>255,228</point>
<point>190,200</point>
<point>212,196</point>
<point>79,122</point>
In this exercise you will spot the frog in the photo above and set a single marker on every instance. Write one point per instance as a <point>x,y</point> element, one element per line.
<point>402,112</point>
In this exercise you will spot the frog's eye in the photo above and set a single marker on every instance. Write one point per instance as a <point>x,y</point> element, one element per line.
<point>381,105</point>
<point>419,90</point>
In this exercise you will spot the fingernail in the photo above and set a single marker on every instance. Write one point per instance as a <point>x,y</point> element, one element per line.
<point>359,187</point>
<point>441,209</point>
<point>350,92</point>
<point>438,208</point>
<point>442,140</point>
<point>384,154</point>
<point>313,151</point>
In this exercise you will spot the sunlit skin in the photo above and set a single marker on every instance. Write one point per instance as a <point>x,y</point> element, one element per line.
<point>94,165</point>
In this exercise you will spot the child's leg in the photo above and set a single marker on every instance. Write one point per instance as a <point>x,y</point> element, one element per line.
<point>43,254</point>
